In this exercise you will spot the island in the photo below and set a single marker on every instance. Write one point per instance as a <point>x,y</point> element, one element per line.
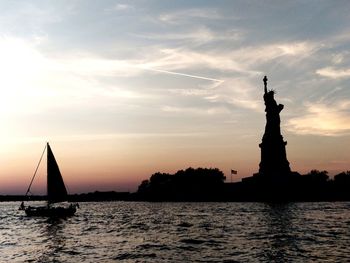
<point>275,181</point>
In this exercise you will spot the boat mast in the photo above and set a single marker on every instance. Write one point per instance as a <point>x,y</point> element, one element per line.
<point>37,167</point>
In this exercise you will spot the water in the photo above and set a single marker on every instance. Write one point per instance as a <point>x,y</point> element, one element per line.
<point>180,232</point>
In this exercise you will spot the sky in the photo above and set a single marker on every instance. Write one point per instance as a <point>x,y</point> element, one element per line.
<point>124,89</point>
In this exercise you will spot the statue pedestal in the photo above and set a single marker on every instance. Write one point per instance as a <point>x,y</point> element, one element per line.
<point>274,161</point>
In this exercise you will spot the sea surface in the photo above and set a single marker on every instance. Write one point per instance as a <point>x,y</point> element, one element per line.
<point>180,232</point>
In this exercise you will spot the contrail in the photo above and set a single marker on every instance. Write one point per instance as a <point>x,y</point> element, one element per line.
<point>182,74</point>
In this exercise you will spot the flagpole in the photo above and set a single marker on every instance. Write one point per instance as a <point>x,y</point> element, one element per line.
<point>233,172</point>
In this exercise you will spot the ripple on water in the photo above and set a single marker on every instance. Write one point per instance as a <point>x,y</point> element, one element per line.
<point>180,232</point>
<point>184,224</point>
<point>135,256</point>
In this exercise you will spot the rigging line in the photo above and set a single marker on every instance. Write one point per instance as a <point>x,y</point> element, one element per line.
<point>37,167</point>
<point>67,189</point>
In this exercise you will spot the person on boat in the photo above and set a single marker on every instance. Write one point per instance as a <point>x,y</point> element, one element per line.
<point>22,206</point>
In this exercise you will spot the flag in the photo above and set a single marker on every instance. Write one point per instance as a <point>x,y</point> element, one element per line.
<point>233,172</point>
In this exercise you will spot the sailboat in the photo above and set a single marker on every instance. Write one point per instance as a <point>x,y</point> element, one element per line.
<point>56,191</point>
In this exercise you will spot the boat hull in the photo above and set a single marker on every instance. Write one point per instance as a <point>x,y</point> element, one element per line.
<point>45,211</point>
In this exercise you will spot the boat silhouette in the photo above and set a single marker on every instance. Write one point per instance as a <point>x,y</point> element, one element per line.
<point>56,192</point>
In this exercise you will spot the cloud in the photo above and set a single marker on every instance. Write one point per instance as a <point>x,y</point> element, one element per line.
<point>181,61</point>
<point>120,7</point>
<point>183,16</point>
<point>78,76</point>
<point>191,92</point>
<point>165,61</point>
<point>337,58</point>
<point>288,53</point>
<point>184,75</point>
<point>230,92</point>
<point>333,73</point>
<point>196,110</point>
<point>322,119</point>
<point>238,92</point>
<point>92,65</point>
<point>197,36</point>
<point>242,61</point>
<point>172,59</point>
<point>228,72</point>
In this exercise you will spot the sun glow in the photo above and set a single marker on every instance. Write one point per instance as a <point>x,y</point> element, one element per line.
<point>20,67</point>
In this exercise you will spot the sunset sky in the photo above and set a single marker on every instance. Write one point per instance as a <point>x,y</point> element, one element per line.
<point>123,89</point>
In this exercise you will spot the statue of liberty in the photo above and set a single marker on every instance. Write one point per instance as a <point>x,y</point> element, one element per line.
<point>273,151</point>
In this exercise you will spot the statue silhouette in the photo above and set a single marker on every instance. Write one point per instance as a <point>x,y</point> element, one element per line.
<point>273,151</point>
<point>273,110</point>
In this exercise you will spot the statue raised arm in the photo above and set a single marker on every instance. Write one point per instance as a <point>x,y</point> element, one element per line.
<point>265,84</point>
